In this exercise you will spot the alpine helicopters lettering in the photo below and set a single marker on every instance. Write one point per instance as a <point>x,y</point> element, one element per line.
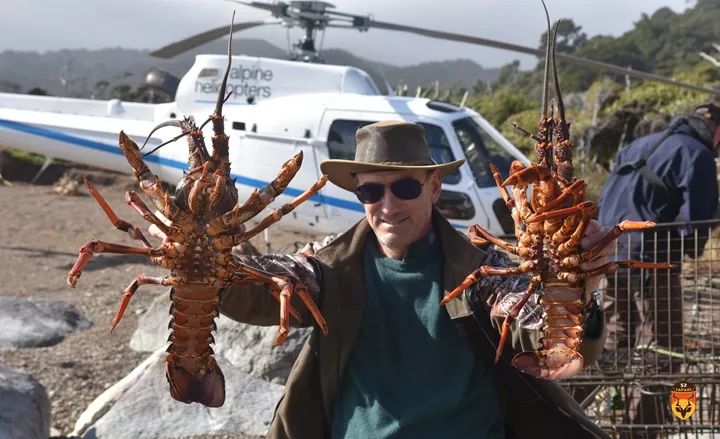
<point>278,108</point>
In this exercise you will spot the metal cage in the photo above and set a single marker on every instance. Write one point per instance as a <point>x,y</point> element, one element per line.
<point>663,328</point>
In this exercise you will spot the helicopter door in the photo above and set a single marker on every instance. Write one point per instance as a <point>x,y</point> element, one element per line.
<point>274,151</point>
<point>457,201</point>
<point>480,149</point>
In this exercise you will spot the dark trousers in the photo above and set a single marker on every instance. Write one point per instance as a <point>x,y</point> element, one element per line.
<point>644,317</point>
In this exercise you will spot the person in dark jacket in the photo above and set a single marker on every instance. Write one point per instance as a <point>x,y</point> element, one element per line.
<point>665,177</point>
<point>395,362</point>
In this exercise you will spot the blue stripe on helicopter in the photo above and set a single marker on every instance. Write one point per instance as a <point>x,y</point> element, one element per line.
<point>112,149</point>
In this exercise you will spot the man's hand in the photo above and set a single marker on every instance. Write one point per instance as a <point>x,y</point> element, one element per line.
<point>593,234</point>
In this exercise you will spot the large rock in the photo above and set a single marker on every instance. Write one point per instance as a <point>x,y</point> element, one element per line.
<point>24,406</point>
<point>152,331</point>
<point>250,349</point>
<point>247,347</point>
<point>140,406</point>
<point>37,323</point>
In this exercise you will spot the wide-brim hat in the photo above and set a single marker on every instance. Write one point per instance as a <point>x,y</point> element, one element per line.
<point>388,145</point>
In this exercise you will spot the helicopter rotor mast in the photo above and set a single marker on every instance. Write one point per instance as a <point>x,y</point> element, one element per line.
<point>314,15</point>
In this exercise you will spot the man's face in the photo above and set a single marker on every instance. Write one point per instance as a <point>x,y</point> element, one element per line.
<point>397,223</point>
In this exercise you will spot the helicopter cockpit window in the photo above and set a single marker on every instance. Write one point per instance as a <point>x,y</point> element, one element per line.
<point>480,149</point>
<point>341,143</point>
<point>341,138</point>
<point>440,150</point>
<point>455,205</point>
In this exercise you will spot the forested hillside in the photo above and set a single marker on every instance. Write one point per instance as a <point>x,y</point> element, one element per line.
<point>607,110</point>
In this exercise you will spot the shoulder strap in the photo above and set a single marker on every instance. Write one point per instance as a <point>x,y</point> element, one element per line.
<point>640,165</point>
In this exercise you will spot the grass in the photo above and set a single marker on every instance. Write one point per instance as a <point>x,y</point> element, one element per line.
<point>28,157</point>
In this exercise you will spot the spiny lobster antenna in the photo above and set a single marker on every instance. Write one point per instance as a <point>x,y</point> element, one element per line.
<point>560,105</point>
<point>169,123</point>
<point>221,95</point>
<point>165,143</point>
<point>546,79</point>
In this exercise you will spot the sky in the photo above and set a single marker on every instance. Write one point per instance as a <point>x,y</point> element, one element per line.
<point>44,25</point>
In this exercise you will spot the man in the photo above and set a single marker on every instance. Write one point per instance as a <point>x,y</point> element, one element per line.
<point>396,363</point>
<point>666,177</point>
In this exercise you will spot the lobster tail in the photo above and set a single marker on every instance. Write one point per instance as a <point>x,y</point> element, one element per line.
<point>531,364</point>
<point>207,389</point>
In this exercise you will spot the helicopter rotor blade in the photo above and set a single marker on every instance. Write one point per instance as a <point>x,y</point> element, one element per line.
<point>194,41</point>
<point>598,65</point>
<point>278,9</point>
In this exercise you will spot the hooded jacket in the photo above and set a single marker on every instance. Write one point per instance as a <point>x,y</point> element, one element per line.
<point>683,160</point>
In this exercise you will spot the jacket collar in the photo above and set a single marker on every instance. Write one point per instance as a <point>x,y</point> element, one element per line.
<point>460,258</point>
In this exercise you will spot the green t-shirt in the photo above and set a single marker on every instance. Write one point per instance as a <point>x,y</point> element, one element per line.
<point>411,374</point>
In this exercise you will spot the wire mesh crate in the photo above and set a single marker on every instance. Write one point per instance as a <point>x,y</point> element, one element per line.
<point>663,328</point>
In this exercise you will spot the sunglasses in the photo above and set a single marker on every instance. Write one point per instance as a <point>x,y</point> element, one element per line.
<point>405,189</point>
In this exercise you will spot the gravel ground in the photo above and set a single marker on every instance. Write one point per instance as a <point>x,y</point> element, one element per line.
<point>40,233</point>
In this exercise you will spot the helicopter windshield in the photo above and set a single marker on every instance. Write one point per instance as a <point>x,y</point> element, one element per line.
<point>480,149</point>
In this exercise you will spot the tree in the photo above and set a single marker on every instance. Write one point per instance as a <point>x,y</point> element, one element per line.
<point>569,37</point>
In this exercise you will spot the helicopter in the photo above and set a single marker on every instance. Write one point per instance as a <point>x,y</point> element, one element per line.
<point>277,109</point>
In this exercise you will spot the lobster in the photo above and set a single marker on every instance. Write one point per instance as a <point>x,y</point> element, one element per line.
<point>202,223</point>
<point>549,224</point>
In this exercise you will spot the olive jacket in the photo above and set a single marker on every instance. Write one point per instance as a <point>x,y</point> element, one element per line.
<point>530,406</point>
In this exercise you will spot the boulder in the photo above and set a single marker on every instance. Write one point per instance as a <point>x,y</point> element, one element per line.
<point>140,406</point>
<point>37,323</point>
<point>24,406</point>
<point>248,348</point>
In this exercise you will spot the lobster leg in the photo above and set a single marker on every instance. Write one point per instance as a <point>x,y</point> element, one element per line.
<point>90,248</point>
<point>571,244</point>
<point>277,285</point>
<point>522,208</point>
<point>140,207</point>
<point>475,230</point>
<point>514,312</point>
<point>585,206</point>
<point>498,181</point>
<point>272,286</point>
<point>613,233</point>
<point>509,202</point>
<point>531,174</point>
<point>469,280</point>
<point>277,214</point>
<point>612,267</point>
<point>119,224</point>
<point>303,294</point>
<point>130,290</point>
<point>285,296</point>
<point>486,270</point>
<point>259,199</point>
<point>574,190</point>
